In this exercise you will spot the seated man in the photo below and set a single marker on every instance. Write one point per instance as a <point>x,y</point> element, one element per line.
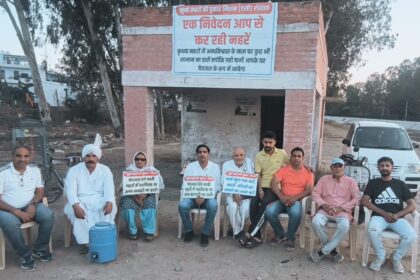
<point>237,206</point>
<point>290,184</point>
<point>267,162</point>
<point>145,203</point>
<point>202,167</point>
<point>90,192</point>
<point>336,196</point>
<point>21,193</point>
<point>385,197</point>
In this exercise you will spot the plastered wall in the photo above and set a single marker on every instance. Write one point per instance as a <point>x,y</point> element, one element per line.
<point>222,119</point>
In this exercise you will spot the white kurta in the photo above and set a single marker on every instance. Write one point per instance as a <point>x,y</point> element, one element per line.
<point>237,213</point>
<point>91,191</point>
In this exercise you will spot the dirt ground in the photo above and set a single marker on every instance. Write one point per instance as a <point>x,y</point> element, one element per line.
<point>170,258</point>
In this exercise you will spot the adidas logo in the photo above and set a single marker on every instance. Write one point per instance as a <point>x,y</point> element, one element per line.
<point>387,196</point>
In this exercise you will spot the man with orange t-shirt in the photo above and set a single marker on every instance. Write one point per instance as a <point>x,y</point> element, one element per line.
<point>290,183</point>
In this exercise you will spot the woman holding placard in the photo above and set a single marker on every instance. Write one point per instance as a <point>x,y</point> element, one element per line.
<point>144,203</point>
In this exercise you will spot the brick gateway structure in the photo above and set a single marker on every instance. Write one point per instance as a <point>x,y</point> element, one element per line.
<point>291,102</point>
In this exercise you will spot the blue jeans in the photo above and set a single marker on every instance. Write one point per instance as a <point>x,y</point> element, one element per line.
<point>318,224</point>
<point>294,212</point>
<point>187,204</point>
<point>10,224</point>
<point>378,224</point>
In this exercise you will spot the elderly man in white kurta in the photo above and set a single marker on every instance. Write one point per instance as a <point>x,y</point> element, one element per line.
<point>237,206</point>
<point>90,192</point>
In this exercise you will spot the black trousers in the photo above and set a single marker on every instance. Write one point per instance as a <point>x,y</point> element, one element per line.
<point>257,211</point>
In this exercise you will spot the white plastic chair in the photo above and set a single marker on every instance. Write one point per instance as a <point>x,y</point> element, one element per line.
<point>28,238</point>
<point>196,211</point>
<point>302,226</point>
<point>389,234</point>
<point>332,225</point>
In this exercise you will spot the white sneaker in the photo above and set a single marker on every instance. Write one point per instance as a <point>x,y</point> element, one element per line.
<point>376,264</point>
<point>397,266</point>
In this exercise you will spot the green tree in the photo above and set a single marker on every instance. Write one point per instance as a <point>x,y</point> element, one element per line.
<point>354,101</point>
<point>374,99</point>
<point>404,88</point>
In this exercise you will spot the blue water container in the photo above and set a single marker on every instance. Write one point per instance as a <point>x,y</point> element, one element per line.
<point>103,242</point>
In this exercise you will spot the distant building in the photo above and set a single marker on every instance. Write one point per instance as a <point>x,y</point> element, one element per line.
<point>15,71</point>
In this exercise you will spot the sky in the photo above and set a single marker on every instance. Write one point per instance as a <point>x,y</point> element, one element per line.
<point>405,22</point>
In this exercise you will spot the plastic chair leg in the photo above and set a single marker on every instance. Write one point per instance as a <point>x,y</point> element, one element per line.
<point>2,251</point>
<point>179,226</point>
<point>67,232</point>
<point>216,225</point>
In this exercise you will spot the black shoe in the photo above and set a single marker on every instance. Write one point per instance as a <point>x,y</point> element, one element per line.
<point>188,236</point>
<point>290,245</point>
<point>27,263</point>
<point>204,240</point>
<point>43,256</point>
<point>334,252</point>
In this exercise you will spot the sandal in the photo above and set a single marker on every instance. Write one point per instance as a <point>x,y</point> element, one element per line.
<point>132,236</point>
<point>150,237</point>
<point>242,241</point>
<point>252,243</point>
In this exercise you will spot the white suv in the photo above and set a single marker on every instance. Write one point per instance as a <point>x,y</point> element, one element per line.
<point>374,140</point>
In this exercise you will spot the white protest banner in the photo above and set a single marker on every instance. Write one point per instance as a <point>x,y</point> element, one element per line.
<point>195,186</point>
<point>136,182</point>
<point>240,183</point>
<point>233,40</point>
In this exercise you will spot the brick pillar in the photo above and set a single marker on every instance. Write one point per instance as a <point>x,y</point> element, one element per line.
<point>138,122</point>
<point>298,121</point>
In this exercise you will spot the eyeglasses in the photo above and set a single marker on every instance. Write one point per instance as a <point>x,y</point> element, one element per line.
<point>139,159</point>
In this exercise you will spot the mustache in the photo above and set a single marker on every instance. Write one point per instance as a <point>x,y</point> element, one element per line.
<point>90,161</point>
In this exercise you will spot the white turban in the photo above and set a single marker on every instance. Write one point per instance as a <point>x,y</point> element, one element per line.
<point>91,149</point>
<point>94,148</point>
